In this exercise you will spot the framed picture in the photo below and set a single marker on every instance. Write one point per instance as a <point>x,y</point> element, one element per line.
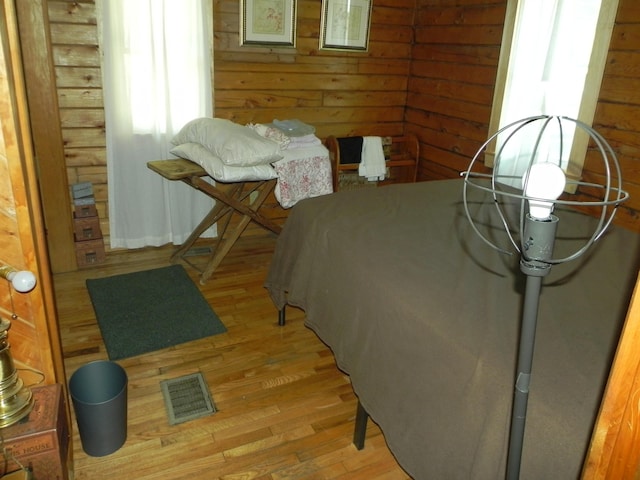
<point>345,24</point>
<point>268,22</point>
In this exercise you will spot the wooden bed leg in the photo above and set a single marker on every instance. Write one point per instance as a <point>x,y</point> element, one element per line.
<point>281,316</point>
<point>360,430</point>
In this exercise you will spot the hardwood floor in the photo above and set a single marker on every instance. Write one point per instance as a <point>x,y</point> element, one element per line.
<point>284,410</point>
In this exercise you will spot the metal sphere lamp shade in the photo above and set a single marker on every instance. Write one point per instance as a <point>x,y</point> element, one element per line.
<point>534,192</point>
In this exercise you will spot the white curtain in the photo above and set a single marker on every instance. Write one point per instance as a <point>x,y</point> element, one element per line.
<point>156,78</point>
<point>550,55</point>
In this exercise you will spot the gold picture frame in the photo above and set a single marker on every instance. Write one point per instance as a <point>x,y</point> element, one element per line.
<point>345,24</point>
<point>268,22</point>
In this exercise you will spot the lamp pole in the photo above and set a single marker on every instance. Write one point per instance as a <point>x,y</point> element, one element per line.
<point>538,241</point>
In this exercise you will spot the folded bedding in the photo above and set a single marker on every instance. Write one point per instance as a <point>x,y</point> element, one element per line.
<point>231,153</point>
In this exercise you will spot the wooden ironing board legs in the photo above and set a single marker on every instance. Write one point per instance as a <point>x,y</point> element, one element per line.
<point>230,199</point>
<point>243,198</point>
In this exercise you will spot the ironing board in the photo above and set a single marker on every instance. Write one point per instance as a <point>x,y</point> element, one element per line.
<point>230,198</point>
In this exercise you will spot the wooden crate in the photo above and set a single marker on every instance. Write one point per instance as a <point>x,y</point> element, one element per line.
<point>87,228</point>
<point>90,252</point>
<point>41,441</point>
<point>83,211</point>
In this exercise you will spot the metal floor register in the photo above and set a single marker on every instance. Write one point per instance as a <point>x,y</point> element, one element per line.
<point>187,398</point>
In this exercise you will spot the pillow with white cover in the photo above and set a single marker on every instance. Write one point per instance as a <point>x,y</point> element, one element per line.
<point>218,170</point>
<point>233,144</point>
<point>272,133</point>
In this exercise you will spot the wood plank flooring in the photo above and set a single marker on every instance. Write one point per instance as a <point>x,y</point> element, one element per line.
<point>284,410</point>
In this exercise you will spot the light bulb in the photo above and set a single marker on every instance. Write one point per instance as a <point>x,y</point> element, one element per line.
<point>23,281</point>
<point>543,181</point>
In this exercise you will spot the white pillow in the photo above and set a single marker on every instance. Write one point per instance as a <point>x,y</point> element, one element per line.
<point>218,170</point>
<point>232,143</point>
<point>272,133</point>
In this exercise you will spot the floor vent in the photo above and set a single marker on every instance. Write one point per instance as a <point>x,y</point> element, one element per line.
<point>198,251</point>
<point>187,398</point>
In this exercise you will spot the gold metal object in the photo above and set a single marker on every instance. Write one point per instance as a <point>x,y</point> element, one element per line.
<point>5,271</point>
<point>16,400</point>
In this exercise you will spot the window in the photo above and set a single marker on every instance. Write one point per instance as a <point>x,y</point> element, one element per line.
<point>157,62</point>
<point>157,55</point>
<point>552,59</point>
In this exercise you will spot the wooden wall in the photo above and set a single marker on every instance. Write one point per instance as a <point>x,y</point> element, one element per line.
<point>338,92</point>
<point>435,80</point>
<point>450,91</point>
<point>618,113</point>
<point>76,58</point>
<point>455,58</point>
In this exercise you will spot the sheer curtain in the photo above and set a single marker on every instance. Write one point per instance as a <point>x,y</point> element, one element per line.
<point>551,50</point>
<point>156,77</point>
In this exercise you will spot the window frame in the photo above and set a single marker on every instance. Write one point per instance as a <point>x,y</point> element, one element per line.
<point>592,85</point>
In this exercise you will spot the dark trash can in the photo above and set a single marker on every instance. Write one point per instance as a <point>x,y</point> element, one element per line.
<point>99,394</point>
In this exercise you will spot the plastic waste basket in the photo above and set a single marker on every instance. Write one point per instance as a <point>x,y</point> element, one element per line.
<point>99,394</point>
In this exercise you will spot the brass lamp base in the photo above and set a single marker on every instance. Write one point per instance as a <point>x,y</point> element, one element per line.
<point>16,400</point>
<point>15,408</point>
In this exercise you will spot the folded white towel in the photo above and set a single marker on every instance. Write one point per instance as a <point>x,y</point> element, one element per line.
<point>304,141</point>
<point>372,164</point>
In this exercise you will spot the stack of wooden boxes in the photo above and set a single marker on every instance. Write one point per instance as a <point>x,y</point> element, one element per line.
<point>86,226</point>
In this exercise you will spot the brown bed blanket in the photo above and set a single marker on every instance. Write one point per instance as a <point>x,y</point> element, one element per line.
<point>424,317</point>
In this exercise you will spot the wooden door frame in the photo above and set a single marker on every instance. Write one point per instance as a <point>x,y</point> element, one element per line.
<point>15,129</point>
<point>46,131</point>
<point>614,452</point>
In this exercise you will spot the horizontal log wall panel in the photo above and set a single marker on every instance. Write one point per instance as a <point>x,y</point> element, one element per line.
<point>82,138</point>
<point>72,34</point>
<point>462,54</point>
<point>82,117</point>
<point>623,63</point>
<point>467,73</point>
<point>76,55</point>
<point>450,107</point>
<point>625,36</point>
<point>80,98</point>
<point>79,77</point>
<point>615,88</point>
<point>483,14</point>
<point>481,94</point>
<point>79,157</point>
<point>453,71</point>
<point>617,117</point>
<point>459,34</point>
<point>307,81</point>
<point>77,12</point>
<point>233,99</point>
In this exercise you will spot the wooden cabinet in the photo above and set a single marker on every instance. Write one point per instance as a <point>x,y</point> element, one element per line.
<point>401,157</point>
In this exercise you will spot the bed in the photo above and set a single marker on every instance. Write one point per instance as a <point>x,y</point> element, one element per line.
<point>423,316</point>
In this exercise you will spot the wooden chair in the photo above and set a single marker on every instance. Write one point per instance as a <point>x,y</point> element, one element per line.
<point>401,155</point>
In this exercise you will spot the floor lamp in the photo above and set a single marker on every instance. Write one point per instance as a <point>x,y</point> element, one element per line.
<point>538,189</point>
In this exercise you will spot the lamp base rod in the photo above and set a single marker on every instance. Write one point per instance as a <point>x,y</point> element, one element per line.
<point>537,250</point>
<point>525,361</point>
